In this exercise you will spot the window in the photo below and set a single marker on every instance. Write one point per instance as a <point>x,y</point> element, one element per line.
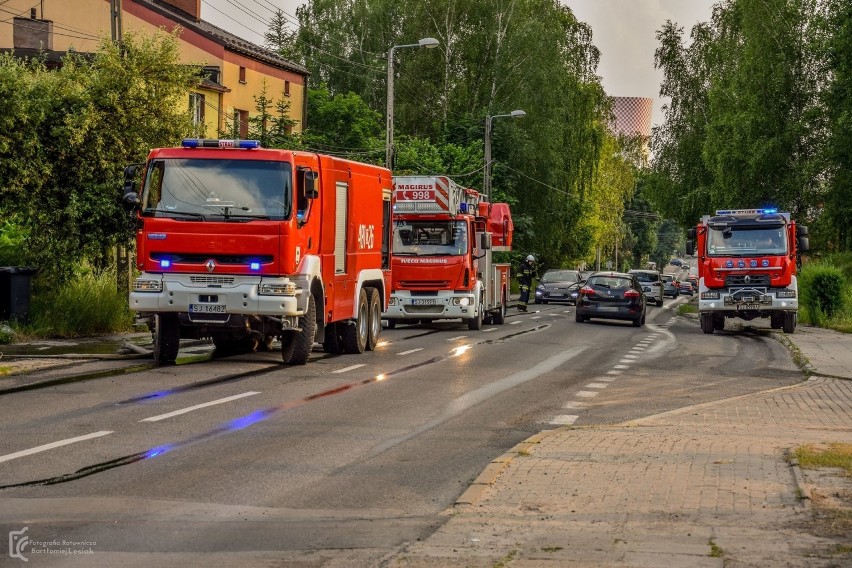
<point>242,75</point>
<point>241,122</point>
<point>196,108</point>
<point>286,88</point>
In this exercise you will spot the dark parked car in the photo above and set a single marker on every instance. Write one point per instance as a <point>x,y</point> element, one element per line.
<point>612,295</point>
<point>558,285</point>
<point>670,285</point>
<point>676,262</point>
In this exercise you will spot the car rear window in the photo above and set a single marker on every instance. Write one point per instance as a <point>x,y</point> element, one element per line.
<point>610,282</point>
<point>647,276</point>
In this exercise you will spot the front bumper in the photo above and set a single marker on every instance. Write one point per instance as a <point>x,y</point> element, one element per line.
<point>444,304</point>
<point>213,298</point>
<point>759,301</point>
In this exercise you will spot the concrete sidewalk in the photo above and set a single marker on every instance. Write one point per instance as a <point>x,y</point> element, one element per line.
<point>708,485</point>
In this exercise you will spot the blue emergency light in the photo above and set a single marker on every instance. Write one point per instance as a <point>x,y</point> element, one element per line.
<point>254,265</point>
<point>165,263</point>
<point>463,208</point>
<point>220,143</point>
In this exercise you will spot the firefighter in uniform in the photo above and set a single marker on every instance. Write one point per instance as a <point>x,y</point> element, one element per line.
<point>525,279</point>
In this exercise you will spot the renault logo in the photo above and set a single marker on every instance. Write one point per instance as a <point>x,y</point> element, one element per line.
<point>210,265</point>
<point>747,278</point>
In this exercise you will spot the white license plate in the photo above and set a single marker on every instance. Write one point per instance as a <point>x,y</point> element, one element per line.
<point>607,309</point>
<point>207,308</point>
<point>746,307</point>
<point>424,302</point>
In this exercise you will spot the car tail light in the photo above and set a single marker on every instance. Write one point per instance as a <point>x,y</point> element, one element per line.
<point>632,294</point>
<point>587,291</point>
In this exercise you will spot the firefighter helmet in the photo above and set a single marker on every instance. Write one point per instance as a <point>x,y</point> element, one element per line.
<point>530,258</point>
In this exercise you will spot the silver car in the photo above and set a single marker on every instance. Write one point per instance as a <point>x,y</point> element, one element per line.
<point>670,285</point>
<point>652,284</point>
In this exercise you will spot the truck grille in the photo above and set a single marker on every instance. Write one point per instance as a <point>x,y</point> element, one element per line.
<point>747,280</point>
<point>218,259</point>
<point>424,284</point>
<point>215,280</point>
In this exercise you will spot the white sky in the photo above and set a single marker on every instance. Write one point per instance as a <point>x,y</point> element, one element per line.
<point>623,30</point>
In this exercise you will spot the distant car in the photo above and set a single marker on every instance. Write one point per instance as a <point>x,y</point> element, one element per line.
<point>612,295</point>
<point>694,279</point>
<point>687,288</point>
<point>676,262</point>
<point>670,285</point>
<point>684,267</point>
<point>559,285</point>
<point>652,284</point>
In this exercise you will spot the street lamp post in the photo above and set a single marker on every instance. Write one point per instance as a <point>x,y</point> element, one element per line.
<point>486,184</point>
<point>428,42</point>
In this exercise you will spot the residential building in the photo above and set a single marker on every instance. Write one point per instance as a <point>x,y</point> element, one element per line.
<point>235,70</point>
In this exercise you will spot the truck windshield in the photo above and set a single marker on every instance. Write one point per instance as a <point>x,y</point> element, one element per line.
<point>430,238</point>
<point>746,241</point>
<point>198,189</point>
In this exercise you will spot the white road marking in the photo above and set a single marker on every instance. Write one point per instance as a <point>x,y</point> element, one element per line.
<point>490,329</point>
<point>587,394</point>
<point>352,368</point>
<point>52,445</point>
<point>514,322</point>
<point>565,419</point>
<point>574,404</point>
<point>613,372</point>
<point>608,379</point>
<point>459,337</point>
<point>535,317</point>
<point>621,367</point>
<point>197,406</point>
<point>411,351</point>
<point>630,357</point>
<point>596,386</point>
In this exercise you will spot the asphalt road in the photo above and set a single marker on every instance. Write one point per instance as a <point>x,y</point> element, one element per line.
<point>346,459</point>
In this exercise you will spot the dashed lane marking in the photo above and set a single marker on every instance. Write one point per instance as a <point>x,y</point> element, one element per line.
<point>411,351</point>
<point>53,445</point>
<point>352,368</point>
<point>587,394</point>
<point>564,419</point>
<point>197,406</point>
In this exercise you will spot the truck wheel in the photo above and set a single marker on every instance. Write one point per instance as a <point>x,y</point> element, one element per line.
<point>355,336</point>
<point>391,324</point>
<point>499,317</point>
<point>790,322</point>
<point>776,321</point>
<point>332,343</point>
<point>719,323</point>
<point>296,346</point>
<point>706,321</point>
<point>475,323</point>
<point>166,338</point>
<point>374,322</point>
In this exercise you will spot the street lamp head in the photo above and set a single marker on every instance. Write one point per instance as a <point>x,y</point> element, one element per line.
<point>429,42</point>
<point>517,114</point>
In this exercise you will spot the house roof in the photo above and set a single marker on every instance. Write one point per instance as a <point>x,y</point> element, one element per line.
<point>222,37</point>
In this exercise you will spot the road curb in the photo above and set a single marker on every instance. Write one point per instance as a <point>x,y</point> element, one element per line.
<point>802,489</point>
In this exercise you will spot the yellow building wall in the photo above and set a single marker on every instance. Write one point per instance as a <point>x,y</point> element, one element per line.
<point>80,24</point>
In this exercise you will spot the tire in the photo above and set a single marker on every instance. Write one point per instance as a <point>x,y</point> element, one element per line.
<point>331,343</point>
<point>776,321</point>
<point>578,318</point>
<point>166,338</point>
<point>790,319</point>
<point>637,322</point>
<point>374,322</point>
<point>355,334</point>
<point>499,317</point>
<point>475,323</point>
<point>642,321</point>
<point>391,324</point>
<point>706,321</point>
<point>719,323</point>
<point>296,346</point>
<point>660,303</point>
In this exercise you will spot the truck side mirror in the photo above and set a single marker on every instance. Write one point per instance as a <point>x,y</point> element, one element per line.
<point>801,231</point>
<point>130,191</point>
<point>485,241</point>
<point>691,234</point>
<point>311,191</point>
<point>690,246</point>
<point>804,244</point>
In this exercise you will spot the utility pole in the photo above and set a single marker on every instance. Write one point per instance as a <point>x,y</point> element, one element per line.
<point>115,20</point>
<point>122,251</point>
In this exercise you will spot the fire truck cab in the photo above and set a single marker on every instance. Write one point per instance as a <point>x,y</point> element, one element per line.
<point>747,261</point>
<point>443,239</point>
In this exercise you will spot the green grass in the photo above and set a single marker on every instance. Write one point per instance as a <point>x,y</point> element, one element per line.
<point>88,305</point>
<point>833,455</point>
<point>715,550</point>
<point>687,309</point>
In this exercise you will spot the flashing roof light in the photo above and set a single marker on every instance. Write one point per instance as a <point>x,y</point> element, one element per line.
<point>254,265</point>
<point>165,263</point>
<point>746,211</point>
<point>462,207</point>
<point>220,143</point>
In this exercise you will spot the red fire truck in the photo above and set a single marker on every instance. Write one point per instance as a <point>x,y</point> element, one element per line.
<point>242,245</point>
<point>443,239</point>
<point>747,261</point>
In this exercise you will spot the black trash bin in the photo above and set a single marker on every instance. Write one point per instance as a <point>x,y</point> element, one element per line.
<point>15,287</point>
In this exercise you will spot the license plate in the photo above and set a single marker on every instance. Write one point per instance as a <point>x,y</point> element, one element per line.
<point>747,307</point>
<point>646,289</point>
<point>607,309</point>
<point>207,308</point>
<point>424,302</point>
